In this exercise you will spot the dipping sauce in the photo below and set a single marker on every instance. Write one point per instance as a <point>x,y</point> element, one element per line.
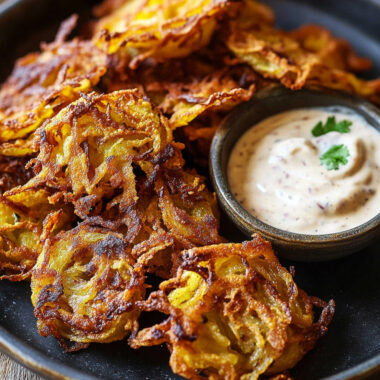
<point>312,184</point>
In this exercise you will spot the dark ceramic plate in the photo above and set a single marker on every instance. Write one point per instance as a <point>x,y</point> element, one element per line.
<point>351,349</point>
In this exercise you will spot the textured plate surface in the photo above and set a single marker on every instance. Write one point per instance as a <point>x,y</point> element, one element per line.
<point>351,349</point>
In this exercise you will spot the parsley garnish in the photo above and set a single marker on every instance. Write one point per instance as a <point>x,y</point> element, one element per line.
<point>330,126</point>
<point>335,156</point>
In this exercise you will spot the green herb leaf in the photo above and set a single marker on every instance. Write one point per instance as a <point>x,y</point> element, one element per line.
<point>330,126</point>
<point>335,156</point>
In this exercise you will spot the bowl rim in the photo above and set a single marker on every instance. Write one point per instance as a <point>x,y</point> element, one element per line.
<point>249,223</point>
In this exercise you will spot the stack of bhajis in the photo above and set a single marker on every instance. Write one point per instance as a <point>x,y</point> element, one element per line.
<point>97,196</point>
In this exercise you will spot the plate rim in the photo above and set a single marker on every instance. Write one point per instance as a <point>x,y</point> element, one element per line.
<point>48,367</point>
<point>30,357</point>
<point>37,361</point>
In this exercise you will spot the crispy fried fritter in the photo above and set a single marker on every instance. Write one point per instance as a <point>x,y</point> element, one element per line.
<point>43,83</point>
<point>191,92</point>
<point>188,209</point>
<point>176,212</point>
<point>158,29</point>
<point>90,148</point>
<point>298,58</point>
<point>22,218</point>
<point>187,90</point>
<point>197,106</point>
<point>234,312</point>
<point>84,287</point>
<point>220,90</point>
<point>276,55</point>
<point>332,51</point>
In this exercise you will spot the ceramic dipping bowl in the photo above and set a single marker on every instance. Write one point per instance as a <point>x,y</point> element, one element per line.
<point>294,246</point>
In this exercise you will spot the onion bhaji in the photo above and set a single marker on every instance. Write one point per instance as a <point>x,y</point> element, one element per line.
<point>196,96</point>
<point>333,52</point>
<point>219,90</point>
<point>139,29</point>
<point>310,56</point>
<point>191,91</point>
<point>43,83</point>
<point>84,287</point>
<point>90,148</point>
<point>234,312</point>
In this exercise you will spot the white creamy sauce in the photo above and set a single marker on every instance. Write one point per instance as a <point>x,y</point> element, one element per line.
<point>274,171</point>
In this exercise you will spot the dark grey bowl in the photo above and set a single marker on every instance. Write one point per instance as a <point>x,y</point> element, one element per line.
<point>300,247</point>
